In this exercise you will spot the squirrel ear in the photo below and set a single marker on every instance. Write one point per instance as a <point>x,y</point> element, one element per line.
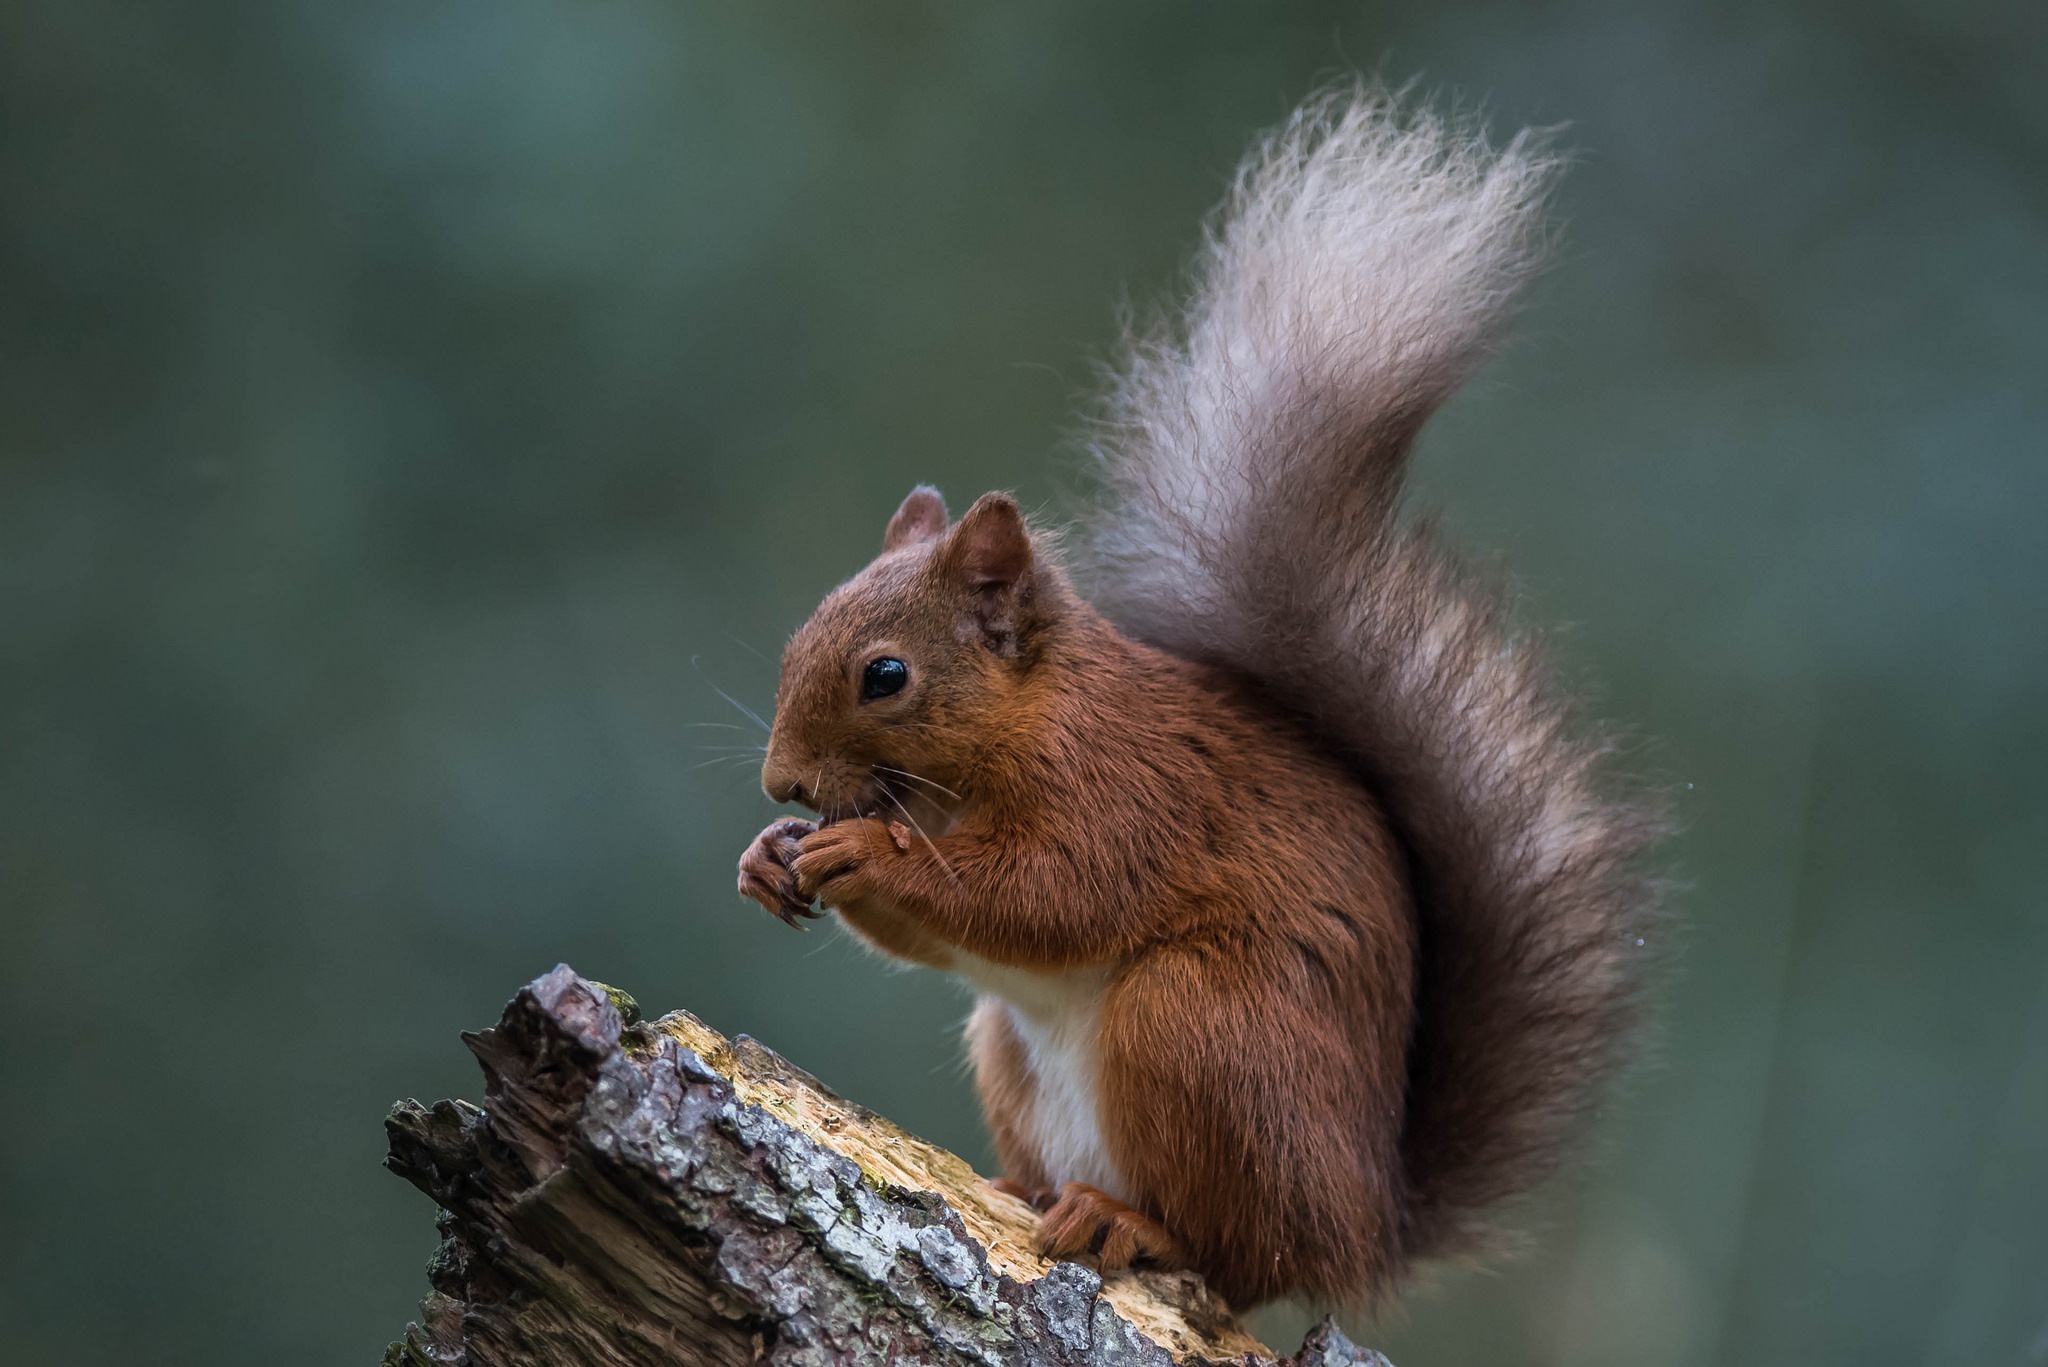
<point>989,553</point>
<point>990,548</point>
<point>921,518</point>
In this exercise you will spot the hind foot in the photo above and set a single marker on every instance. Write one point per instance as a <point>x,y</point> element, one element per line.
<point>1086,1221</point>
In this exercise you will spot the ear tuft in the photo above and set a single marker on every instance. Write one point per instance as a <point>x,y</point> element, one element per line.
<point>991,548</point>
<point>921,518</point>
<point>989,555</point>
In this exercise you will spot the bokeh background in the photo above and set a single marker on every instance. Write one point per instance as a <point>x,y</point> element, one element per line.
<point>411,417</point>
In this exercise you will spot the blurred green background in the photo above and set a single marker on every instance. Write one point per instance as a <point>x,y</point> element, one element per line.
<point>411,415</point>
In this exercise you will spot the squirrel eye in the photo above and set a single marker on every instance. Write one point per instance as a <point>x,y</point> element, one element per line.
<point>883,677</point>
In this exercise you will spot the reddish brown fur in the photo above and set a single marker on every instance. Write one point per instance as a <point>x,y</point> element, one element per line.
<point>1305,918</point>
<point>1125,810</point>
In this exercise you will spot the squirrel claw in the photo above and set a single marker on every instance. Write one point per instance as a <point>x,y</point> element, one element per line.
<point>767,875</point>
<point>1085,1220</point>
<point>788,912</point>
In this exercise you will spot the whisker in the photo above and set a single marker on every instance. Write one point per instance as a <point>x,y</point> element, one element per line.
<point>919,778</point>
<point>749,713</point>
<point>920,830</point>
<point>744,646</point>
<point>719,759</point>
<point>746,711</point>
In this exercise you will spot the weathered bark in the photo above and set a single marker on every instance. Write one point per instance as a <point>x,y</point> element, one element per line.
<point>655,1193</point>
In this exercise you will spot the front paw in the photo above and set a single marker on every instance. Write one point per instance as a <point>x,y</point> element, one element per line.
<point>767,875</point>
<point>837,862</point>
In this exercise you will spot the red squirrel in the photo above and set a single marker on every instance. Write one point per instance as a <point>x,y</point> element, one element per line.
<point>1304,917</point>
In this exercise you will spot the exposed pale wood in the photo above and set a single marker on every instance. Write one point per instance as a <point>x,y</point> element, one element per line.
<point>655,1193</point>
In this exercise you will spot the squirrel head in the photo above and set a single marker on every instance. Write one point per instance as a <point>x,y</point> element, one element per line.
<point>906,670</point>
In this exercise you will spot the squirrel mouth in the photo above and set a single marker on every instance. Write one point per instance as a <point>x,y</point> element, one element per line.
<point>886,794</point>
<point>872,798</point>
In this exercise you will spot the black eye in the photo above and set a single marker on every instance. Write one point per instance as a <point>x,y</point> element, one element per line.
<point>883,677</point>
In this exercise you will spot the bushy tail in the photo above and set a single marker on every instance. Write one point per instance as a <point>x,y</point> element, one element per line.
<point>1366,261</point>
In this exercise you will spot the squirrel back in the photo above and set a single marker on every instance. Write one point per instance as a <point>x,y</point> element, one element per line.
<point>1365,262</point>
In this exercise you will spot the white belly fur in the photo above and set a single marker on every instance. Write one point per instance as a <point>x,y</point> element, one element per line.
<point>1056,1016</point>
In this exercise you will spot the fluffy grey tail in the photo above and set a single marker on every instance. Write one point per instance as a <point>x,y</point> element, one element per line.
<point>1366,261</point>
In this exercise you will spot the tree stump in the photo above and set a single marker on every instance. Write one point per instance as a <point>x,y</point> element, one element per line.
<point>652,1193</point>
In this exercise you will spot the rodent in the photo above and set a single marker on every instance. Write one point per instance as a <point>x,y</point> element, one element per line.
<point>1305,916</point>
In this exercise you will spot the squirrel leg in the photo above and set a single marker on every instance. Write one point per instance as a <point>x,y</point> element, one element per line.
<point>1007,900</point>
<point>1283,1114</point>
<point>1085,1220</point>
<point>1002,1079</point>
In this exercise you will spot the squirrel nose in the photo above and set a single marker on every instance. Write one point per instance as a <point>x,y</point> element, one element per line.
<point>779,781</point>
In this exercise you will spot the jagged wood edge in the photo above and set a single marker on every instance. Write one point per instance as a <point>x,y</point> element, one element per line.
<point>657,1194</point>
